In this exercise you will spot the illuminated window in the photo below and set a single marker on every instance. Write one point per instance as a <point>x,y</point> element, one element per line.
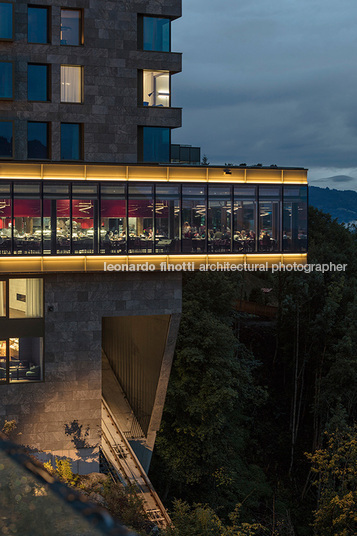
<point>71,27</point>
<point>21,359</point>
<point>244,219</point>
<point>113,222</point>
<point>71,83</point>
<point>194,219</point>
<point>156,88</point>
<point>6,20</point>
<point>140,219</point>
<point>2,298</point>
<point>26,298</point>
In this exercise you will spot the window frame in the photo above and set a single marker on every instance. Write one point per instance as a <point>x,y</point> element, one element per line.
<point>13,139</point>
<point>82,83</point>
<point>140,26</point>
<point>141,145</point>
<point>141,86</point>
<point>13,82</point>
<point>48,81</point>
<point>49,25</point>
<point>48,141</point>
<point>13,23</point>
<point>16,328</point>
<point>81,25</point>
<point>81,141</point>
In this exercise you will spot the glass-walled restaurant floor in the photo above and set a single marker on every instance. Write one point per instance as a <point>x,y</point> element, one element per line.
<point>68,218</point>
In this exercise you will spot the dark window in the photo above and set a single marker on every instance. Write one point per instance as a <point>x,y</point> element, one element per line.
<point>6,81</point>
<point>269,218</point>
<point>295,218</point>
<point>38,25</point>
<point>71,27</point>
<point>37,82</point>
<point>6,24</point>
<point>156,144</point>
<point>6,128</point>
<point>156,34</point>
<point>71,142</point>
<point>37,140</point>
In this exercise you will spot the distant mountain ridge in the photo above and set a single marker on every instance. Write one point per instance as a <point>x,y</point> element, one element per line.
<point>341,204</point>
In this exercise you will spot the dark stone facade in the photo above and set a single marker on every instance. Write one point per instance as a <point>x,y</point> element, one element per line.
<point>62,415</point>
<point>110,58</point>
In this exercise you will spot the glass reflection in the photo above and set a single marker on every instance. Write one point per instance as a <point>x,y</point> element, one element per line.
<point>156,34</point>
<point>71,27</point>
<point>6,80</point>
<point>295,219</point>
<point>269,220</point>
<point>37,25</point>
<point>6,20</point>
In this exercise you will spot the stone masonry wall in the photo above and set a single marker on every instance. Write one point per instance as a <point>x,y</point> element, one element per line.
<point>110,59</point>
<point>71,392</point>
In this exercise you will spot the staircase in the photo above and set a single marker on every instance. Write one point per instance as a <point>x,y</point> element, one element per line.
<point>127,467</point>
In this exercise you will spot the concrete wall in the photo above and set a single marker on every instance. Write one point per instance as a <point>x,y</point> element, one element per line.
<point>110,112</point>
<point>69,400</point>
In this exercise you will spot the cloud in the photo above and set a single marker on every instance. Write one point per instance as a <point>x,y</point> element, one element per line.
<point>272,82</point>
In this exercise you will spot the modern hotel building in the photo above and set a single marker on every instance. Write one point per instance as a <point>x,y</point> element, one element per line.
<point>86,178</point>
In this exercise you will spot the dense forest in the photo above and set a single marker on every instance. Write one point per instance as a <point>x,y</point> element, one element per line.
<point>258,433</point>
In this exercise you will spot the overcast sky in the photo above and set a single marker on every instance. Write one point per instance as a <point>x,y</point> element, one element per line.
<point>270,81</point>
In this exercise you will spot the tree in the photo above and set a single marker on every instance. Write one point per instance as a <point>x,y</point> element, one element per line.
<point>336,468</point>
<point>211,400</point>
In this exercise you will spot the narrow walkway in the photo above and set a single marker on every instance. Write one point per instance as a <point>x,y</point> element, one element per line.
<point>118,452</point>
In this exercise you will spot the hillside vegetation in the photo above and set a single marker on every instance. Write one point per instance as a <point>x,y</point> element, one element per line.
<point>258,433</point>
